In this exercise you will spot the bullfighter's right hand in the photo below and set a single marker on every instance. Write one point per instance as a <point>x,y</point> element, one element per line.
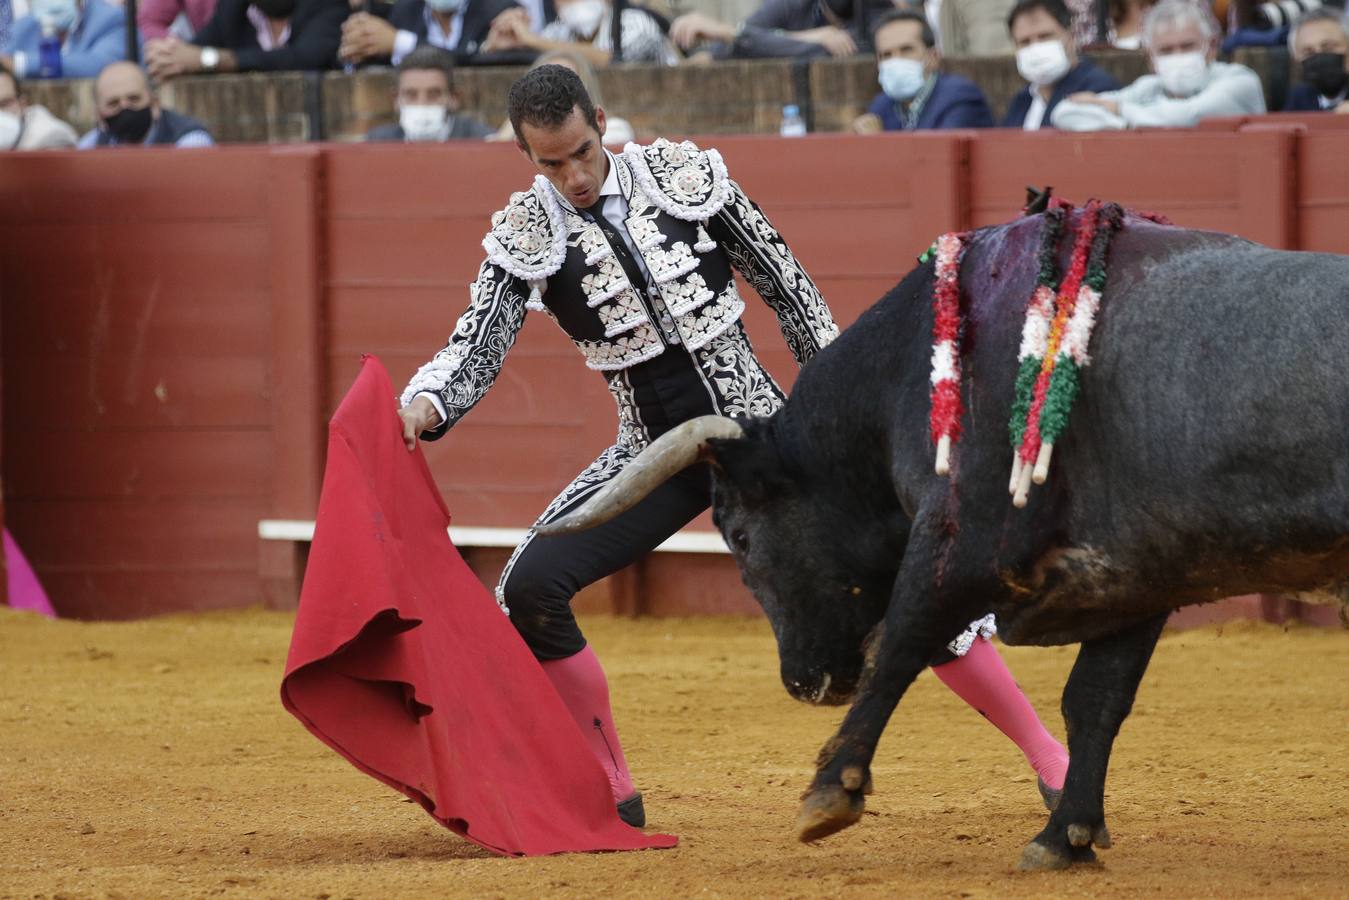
<point>418,416</point>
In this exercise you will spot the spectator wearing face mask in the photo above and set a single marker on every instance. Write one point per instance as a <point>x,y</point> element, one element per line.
<point>785,29</point>
<point>1319,43</point>
<point>428,105</point>
<point>28,126</point>
<point>129,114</point>
<point>1181,38</point>
<point>586,27</point>
<point>254,36</point>
<point>1046,56</point>
<point>460,27</point>
<point>92,33</point>
<point>915,94</point>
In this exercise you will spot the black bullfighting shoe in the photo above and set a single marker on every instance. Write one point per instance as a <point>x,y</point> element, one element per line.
<point>1049,794</point>
<point>632,811</point>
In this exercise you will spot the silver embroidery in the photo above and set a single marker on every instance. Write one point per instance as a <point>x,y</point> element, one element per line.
<point>980,628</point>
<point>745,387</point>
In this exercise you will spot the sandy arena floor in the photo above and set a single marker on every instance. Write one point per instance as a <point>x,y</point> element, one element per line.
<point>153,759</point>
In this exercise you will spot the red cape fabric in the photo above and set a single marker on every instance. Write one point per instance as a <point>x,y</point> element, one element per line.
<point>403,663</point>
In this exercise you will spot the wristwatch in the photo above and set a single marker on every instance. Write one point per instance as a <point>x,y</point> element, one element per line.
<point>210,58</point>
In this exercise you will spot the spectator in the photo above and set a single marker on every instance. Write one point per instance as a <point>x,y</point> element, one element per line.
<point>28,126</point>
<point>254,36</point>
<point>914,93</point>
<point>974,27</point>
<point>157,18</point>
<point>1182,40</point>
<point>428,105</point>
<point>92,34</point>
<point>1319,43</point>
<point>129,114</point>
<point>801,29</point>
<point>460,27</point>
<point>1046,56</point>
<point>586,26</point>
<point>617,131</point>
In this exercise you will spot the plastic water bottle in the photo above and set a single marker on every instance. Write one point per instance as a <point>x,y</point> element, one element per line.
<point>49,54</point>
<point>792,123</point>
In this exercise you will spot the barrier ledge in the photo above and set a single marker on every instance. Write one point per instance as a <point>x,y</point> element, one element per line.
<point>302,531</point>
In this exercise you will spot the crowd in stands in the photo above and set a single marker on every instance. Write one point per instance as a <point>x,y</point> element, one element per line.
<point>426,39</point>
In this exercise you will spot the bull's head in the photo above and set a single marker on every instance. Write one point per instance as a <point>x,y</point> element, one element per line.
<point>822,576</point>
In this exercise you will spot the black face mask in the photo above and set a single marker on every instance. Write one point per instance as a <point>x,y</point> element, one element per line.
<point>276,9</point>
<point>1325,72</point>
<point>129,126</point>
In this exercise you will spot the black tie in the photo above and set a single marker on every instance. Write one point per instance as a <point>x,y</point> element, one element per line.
<point>617,245</point>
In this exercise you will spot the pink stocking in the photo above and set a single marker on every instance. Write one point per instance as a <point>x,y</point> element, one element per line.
<point>981,679</point>
<point>580,681</point>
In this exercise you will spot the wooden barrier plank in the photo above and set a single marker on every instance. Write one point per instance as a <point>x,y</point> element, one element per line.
<point>43,463</point>
<point>129,388</point>
<point>1323,190</point>
<point>135,594</point>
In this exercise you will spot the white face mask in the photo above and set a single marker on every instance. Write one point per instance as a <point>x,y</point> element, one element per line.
<point>901,78</point>
<point>582,16</point>
<point>1182,74</point>
<point>1043,63</point>
<point>58,15</point>
<point>10,128</point>
<point>422,123</point>
<point>446,6</point>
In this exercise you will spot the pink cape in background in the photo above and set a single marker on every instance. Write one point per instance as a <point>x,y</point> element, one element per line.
<point>403,663</point>
<point>25,591</point>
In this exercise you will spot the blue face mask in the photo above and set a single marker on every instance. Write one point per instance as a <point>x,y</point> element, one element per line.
<point>445,6</point>
<point>58,15</point>
<point>901,78</point>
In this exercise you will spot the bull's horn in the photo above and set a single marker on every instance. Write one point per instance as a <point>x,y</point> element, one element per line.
<point>672,452</point>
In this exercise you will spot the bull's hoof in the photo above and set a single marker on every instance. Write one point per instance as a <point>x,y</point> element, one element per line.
<point>1083,836</point>
<point>1039,858</point>
<point>827,810</point>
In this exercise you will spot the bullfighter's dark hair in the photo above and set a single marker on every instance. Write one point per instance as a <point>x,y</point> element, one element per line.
<point>545,97</point>
<point>429,58</point>
<point>1056,9</point>
<point>905,15</point>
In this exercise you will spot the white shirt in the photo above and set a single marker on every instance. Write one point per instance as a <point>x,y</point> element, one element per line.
<point>1035,116</point>
<point>404,42</point>
<point>1231,90</point>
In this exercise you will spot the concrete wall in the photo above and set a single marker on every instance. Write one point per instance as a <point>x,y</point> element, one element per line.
<point>177,326</point>
<point>726,98</point>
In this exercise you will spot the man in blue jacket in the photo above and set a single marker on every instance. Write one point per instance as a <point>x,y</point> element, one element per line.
<point>92,34</point>
<point>914,93</point>
<point>1046,56</point>
<point>1320,45</point>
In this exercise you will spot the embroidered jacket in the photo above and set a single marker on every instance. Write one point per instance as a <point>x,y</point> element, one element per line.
<point>691,225</point>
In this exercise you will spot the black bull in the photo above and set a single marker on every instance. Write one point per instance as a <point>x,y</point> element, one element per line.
<point>1205,457</point>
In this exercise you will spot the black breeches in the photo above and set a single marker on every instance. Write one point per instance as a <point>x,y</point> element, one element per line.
<point>546,572</point>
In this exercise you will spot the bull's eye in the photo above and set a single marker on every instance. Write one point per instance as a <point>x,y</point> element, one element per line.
<point>740,540</point>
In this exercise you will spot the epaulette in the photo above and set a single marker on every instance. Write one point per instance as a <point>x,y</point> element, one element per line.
<point>683,181</point>
<point>529,237</point>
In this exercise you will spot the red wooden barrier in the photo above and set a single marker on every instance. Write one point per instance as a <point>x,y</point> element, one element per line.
<point>176,327</point>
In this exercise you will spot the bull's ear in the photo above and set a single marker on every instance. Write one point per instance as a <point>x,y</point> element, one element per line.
<point>750,464</point>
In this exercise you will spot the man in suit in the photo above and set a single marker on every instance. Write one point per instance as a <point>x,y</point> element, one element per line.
<point>1320,44</point>
<point>92,34</point>
<point>915,94</point>
<point>1046,56</point>
<point>460,27</point>
<point>428,104</point>
<point>255,36</point>
<point>130,115</point>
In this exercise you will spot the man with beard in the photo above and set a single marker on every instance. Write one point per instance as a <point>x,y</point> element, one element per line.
<point>633,255</point>
<point>1319,43</point>
<point>129,114</point>
<point>255,36</point>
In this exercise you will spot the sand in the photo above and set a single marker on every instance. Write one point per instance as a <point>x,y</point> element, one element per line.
<point>153,759</point>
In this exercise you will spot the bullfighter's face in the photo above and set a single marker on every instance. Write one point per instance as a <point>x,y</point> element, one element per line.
<point>570,155</point>
<point>812,568</point>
